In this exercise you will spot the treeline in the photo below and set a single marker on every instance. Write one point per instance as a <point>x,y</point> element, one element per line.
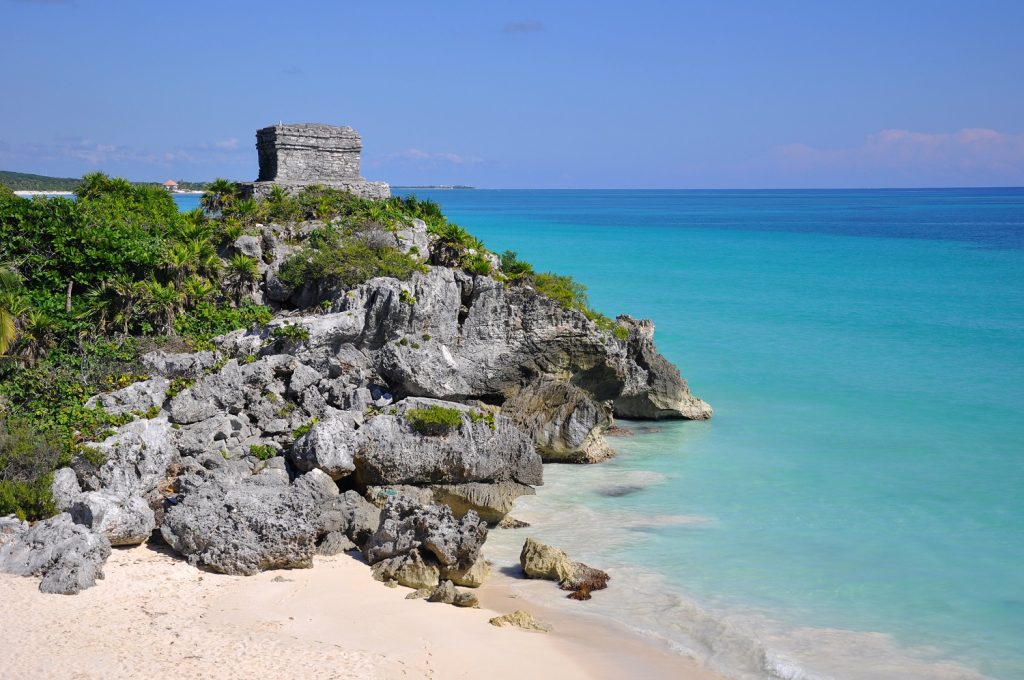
<point>23,181</point>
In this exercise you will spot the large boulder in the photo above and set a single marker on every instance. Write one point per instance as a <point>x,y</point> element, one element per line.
<point>392,451</point>
<point>69,557</point>
<point>660,391</point>
<point>490,501</point>
<point>415,543</point>
<point>123,520</point>
<point>406,525</point>
<point>179,364</point>
<point>138,397</point>
<point>135,458</point>
<point>243,527</point>
<point>563,420</point>
<point>65,488</point>
<point>329,445</point>
<point>352,515</point>
<point>547,562</point>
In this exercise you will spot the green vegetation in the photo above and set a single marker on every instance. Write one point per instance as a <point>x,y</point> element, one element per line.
<point>262,451</point>
<point>434,420</point>
<point>340,257</point>
<point>88,285</point>
<point>290,332</point>
<point>303,429</point>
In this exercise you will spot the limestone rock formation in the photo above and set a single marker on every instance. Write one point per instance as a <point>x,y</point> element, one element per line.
<point>294,156</point>
<point>249,526</point>
<point>136,459</point>
<point>123,520</point>
<point>68,556</point>
<point>520,619</point>
<point>415,542</point>
<point>539,560</point>
<point>565,423</point>
<point>390,451</point>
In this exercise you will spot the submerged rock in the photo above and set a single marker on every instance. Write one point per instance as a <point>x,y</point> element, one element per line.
<point>68,556</point>
<point>520,619</point>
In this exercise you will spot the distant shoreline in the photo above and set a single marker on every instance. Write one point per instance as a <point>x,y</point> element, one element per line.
<point>44,192</point>
<point>433,186</point>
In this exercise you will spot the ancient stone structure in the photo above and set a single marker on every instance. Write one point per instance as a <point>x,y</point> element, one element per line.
<point>294,156</point>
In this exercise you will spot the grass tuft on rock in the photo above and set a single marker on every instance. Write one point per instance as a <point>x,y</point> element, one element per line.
<point>434,420</point>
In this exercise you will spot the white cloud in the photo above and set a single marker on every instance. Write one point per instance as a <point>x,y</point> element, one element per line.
<point>981,153</point>
<point>415,156</point>
<point>526,26</point>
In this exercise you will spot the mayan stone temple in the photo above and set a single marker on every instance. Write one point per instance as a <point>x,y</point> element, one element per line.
<point>294,156</point>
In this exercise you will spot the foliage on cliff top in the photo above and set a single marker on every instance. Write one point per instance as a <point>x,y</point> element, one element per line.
<point>98,275</point>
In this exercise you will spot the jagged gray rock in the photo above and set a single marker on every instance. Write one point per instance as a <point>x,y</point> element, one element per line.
<point>352,515</point>
<point>138,397</point>
<point>335,543</point>
<point>123,520</point>
<point>415,542</point>
<point>329,445</point>
<point>179,364</point>
<point>246,526</point>
<point>564,422</point>
<point>65,488</point>
<point>136,459</point>
<point>662,393</point>
<point>391,452</point>
<point>69,557</point>
<point>10,528</point>
<point>490,501</point>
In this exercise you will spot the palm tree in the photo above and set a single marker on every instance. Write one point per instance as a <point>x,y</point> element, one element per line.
<point>180,260</point>
<point>37,334</point>
<point>243,273</point>
<point>12,306</point>
<point>164,301</point>
<point>197,289</point>
<point>219,194</point>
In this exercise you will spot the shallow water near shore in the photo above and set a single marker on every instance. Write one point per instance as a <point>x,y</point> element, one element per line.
<point>854,508</point>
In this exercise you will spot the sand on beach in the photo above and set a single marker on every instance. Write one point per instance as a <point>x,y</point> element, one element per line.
<point>155,616</point>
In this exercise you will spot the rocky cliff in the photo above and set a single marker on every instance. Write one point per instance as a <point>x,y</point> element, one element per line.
<point>435,398</point>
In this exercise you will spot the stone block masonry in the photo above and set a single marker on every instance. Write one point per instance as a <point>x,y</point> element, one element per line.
<point>294,156</point>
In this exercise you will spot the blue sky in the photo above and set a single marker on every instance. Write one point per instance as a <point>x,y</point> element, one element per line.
<point>585,94</point>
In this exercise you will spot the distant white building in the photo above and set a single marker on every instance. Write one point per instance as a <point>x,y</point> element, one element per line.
<point>171,185</point>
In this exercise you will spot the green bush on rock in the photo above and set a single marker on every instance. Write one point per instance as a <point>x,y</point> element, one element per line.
<point>434,420</point>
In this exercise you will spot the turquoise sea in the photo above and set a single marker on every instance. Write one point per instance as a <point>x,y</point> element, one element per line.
<point>864,471</point>
<point>855,508</point>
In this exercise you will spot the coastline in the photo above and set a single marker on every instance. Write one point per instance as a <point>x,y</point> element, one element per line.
<point>155,615</point>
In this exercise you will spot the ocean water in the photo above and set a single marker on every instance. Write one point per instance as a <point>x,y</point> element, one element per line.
<point>855,509</point>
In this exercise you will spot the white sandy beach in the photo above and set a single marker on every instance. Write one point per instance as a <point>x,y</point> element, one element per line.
<point>155,616</point>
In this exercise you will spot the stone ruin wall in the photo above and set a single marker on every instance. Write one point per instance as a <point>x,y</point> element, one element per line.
<point>294,156</point>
